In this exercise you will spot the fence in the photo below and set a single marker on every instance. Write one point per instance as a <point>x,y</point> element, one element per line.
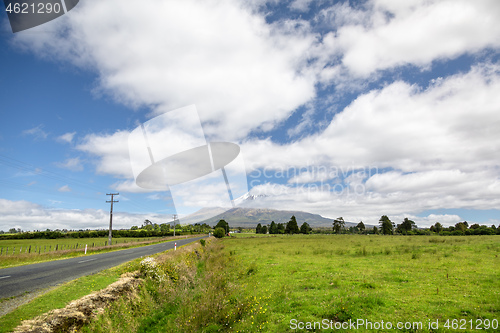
<point>39,249</point>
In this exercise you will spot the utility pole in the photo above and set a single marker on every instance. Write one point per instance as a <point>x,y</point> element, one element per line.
<point>111,216</point>
<point>175,218</point>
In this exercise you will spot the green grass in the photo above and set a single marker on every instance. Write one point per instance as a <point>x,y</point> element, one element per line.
<point>260,284</point>
<point>61,296</point>
<point>67,248</point>
<point>397,279</point>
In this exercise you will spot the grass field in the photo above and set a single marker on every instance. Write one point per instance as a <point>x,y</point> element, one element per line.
<point>372,278</point>
<point>310,283</point>
<point>45,249</point>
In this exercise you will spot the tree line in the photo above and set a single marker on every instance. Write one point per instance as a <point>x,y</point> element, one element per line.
<point>408,227</point>
<point>291,227</point>
<point>148,229</point>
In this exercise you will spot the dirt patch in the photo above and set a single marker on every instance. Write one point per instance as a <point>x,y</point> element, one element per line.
<point>80,311</point>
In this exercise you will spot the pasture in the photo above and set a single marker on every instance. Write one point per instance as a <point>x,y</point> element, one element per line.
<point>397,279</point>
<point>312,283</point>
<point>14,252</point>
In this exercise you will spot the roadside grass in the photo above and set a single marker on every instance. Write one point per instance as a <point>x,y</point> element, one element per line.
<point>197,295</point>
<point>64,294</point>
<point>340,277</point>
<point>67,248</point>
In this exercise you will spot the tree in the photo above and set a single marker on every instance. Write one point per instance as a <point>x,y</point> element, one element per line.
<point>281,228</point>
<point>164,227</point>
<point>12,231</point>
<point>222,224</point>
<point>305,228</point>
<point>361,226</point>
<point>134,227</point>
<point>338,225</point>
<point>258,230</point>
<point>263,230</point>
<point>219,232</point>
<point>438,227</point>
<point>273,228</point>
<point>406,226</point>
<point>291,226</point>
<point>461,226</point>
<point>386,225</point>
<point>375,230</point>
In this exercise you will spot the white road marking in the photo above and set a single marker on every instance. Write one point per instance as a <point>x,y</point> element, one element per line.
<point>4,277</point>
<point>85,261</point>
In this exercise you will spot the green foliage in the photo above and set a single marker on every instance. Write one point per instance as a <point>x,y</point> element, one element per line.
<point>219,232</point>
<point>338,225</point>
<point>361,226</point>
<point>222,224</point>
<point>273,228</point>
<point>386,225</point>
<point>202,242</point>
<point>291,226</point>
<point>305,228</point>
<point>264,230</point>
<point>258,229</point>
<point>406,226</point>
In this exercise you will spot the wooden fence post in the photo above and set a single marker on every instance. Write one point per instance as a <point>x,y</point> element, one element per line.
<point>29,251</point>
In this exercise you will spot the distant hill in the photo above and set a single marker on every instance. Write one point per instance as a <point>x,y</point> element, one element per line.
<point>250,217</point>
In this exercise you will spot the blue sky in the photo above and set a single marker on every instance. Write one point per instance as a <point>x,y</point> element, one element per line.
<point>353,109</point>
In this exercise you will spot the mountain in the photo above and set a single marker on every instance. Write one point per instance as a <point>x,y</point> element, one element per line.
<point>250,217</point>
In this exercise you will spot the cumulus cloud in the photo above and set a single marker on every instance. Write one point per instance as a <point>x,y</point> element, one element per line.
<point>435,146</point>
<point>440,143</point>
<point>111,151</point>
<point>383,35</point>
<point>242,73</point>
<point>30,216</point>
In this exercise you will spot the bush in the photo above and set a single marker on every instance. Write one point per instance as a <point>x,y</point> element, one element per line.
<point>202,242</point>
<point>219,232</point>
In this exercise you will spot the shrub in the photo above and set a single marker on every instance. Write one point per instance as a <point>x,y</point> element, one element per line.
<point>219,232</point>
<point>151,269</point>
<point>202,242</point>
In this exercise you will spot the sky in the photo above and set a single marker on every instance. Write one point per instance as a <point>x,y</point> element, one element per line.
<point>340,108</point>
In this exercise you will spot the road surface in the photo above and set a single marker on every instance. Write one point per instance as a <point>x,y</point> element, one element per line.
<point>15,281</point>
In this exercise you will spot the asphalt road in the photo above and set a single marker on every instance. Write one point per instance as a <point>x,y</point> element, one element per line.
<point>15,281</point>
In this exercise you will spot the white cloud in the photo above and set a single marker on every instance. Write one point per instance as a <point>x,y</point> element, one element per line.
<point>30,216</point>
<point>300,5</point>
<point>441,143</point>
<point>64,188</point>
<point>73,164</point>
<point>67,138</point>
<point>417,32</point>
<point>37,132</point>
<point>111,151</point>
<point>242,73</point>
